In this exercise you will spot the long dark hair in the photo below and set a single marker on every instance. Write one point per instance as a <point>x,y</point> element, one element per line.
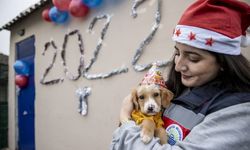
<point>235,74</point>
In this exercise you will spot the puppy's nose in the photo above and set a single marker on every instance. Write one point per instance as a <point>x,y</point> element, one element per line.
<point>151,108</point>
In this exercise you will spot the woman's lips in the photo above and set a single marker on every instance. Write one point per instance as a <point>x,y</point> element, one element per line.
<point>186,76</point>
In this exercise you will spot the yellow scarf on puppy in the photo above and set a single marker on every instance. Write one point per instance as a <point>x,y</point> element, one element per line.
<point>138,117</point>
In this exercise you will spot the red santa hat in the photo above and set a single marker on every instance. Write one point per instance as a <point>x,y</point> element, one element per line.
<point>215,25</point>
<point>154,76</point>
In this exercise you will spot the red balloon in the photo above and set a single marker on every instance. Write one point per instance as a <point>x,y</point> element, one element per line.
<point>45,15</point>
<point>62,5</point>
<point>78,9</point>
<point>21,81</point>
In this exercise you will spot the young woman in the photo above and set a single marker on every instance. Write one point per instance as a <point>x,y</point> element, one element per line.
<point>211,82</point>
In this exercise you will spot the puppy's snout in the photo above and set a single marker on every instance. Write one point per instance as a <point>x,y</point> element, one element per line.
<point>151,108</point>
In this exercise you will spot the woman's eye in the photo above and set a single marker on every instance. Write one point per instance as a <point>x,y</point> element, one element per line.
<point>141,97</point>
<point>156,94</point>
<point>193,59</point>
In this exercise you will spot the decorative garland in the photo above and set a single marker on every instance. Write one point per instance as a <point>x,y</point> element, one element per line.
<point>63,53</point>
<point>47,70</point>
<point>83,94</point>
<point>106,75</point>
<point>148,39</point>
<point>100,42</point>
<point>97,50</point>
<point>136,3</point>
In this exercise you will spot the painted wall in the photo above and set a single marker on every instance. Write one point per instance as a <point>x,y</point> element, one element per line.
<point>58,125</point>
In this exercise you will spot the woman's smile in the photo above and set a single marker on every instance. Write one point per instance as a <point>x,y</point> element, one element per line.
<point>185,77</point>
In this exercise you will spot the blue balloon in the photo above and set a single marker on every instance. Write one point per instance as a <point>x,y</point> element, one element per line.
<point>58,16</point>
<point>92,3</point>
<point>21,67</point>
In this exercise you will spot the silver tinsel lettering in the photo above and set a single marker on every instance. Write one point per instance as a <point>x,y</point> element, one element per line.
<point>81,69</point>
<point>83,94</point>
<point>81,60</point>
<point>148,39</point>
<point>47,70</point>
<point>136,4</point>
<point>147,66</point>
<point>97,50</point>
<point>103,33</point>
<point>106,75</point>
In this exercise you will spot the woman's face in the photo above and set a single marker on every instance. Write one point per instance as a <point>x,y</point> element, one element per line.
<point>196,66</point>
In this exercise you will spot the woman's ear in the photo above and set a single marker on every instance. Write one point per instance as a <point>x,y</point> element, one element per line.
<point>135,99</point>
<point>166,97</point>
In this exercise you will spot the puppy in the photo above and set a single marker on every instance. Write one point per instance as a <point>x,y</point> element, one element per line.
<point>148,102</point>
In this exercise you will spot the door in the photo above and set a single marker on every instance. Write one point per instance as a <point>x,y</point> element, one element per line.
<point>25,51</point>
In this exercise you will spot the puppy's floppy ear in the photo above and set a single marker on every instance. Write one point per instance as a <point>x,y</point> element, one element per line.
<point>135,99</point>
<point>166,97</point>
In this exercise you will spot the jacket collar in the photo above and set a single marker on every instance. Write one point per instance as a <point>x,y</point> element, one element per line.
<point>195,97</point>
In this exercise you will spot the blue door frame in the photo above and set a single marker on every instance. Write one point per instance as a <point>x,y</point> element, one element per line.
<point>25,51</point>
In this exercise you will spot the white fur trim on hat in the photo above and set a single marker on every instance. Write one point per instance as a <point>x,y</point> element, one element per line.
<point>220,43</point>
<point>245,41</point>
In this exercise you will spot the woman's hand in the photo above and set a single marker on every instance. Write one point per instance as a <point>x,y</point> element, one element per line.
<point>126,109</point>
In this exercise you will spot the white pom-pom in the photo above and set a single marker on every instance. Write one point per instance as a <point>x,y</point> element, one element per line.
<point>245,41</point>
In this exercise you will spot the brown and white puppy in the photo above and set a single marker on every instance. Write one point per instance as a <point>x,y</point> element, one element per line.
<point>149,99</point>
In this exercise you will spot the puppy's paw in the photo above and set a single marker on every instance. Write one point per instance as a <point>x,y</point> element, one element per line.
<point>161,133</point>
<point>146,137</point>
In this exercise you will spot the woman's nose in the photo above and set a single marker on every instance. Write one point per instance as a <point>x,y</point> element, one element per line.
<point>180,64</point>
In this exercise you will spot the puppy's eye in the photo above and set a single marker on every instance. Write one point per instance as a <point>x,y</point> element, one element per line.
<point>156,94</point>
<point>141,97</point>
